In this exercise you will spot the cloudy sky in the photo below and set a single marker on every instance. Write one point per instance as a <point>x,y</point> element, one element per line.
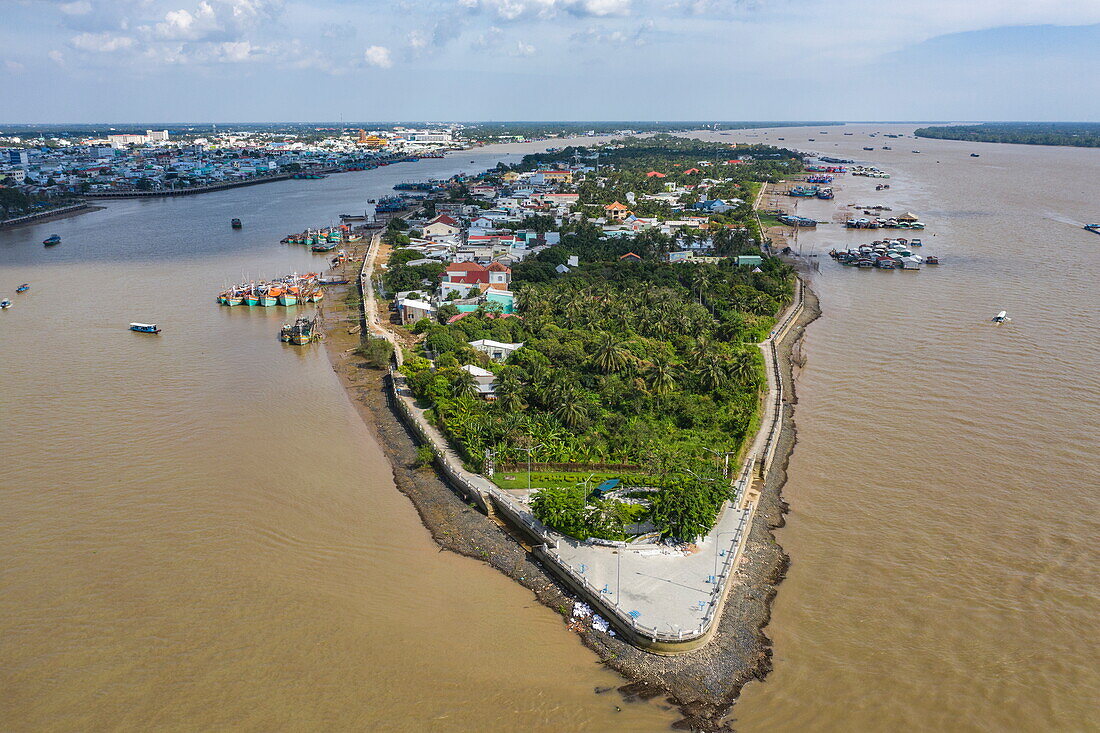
<point>355,60</point>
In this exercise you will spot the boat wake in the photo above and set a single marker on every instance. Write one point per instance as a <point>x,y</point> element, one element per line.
<point>1054,216</point>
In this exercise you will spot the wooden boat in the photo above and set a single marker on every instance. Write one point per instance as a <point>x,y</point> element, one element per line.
<point>52,240</point>
<point>931,260</point>
<point>235,223</point>
<point>144,327</point>
<point>287,298</point>
<point>23,288</point>
<point>301,332</point>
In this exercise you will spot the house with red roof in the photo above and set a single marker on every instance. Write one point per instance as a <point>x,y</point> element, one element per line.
<point>442,226</point>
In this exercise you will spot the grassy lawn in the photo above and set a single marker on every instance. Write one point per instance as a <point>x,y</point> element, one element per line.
<point>552,479</point>
<point>770,220</point>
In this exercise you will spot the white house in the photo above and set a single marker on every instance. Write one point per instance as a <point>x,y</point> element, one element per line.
<point>497,350</point>
<point>483,378</point>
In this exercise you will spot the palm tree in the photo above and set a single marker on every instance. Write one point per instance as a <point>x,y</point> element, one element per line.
<point>743,368</point>
<point>508,392</point>
<point>659,377</point>
<point>570,409</point>
<point>712,373</point>
<point>464,384</point>
<point>611,355</point>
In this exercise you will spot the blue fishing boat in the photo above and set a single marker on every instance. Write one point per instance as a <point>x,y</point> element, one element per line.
<point>144,327</point>
<point>23,288</point>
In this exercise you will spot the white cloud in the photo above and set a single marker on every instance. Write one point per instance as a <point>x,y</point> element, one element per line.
<point>378,56</point>
<point>79,7</point>
<point>13,66</point>
<point>516,9</point>
<point>57,57</point>
<point>105,42</point>
<point>235,51</point>
<point>183,24</point>
<point>522,49</point>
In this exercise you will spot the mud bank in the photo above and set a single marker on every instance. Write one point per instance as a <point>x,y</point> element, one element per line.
<point>703,685</point>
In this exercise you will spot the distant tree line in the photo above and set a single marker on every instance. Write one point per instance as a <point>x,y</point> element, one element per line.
<point>1074,134</point>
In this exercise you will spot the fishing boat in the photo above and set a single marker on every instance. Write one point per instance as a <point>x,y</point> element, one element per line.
<point>1001,317</point>
<point>868,148</point>
<point>265,298</point>
<point>52,240</point>
<point>915,242</point>
<point>288,298</point>
<point>975,155</point>
<point>931,260</point>
<point>23,288</point>
<point>323,246</point>
<point>144,327</point>
<point>235,223</point>
<point>251,297</point>
<point>5,304</point>
<point>301,332</point>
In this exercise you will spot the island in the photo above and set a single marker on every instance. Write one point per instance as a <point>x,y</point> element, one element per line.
<point>590,347</point>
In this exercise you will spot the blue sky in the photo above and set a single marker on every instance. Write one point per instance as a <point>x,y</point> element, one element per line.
<point>293,60</point>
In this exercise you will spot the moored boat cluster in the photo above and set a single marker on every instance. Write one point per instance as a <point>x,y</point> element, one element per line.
<point>286,291</point>
<point>885,254</point>
<point>905,221</point>
<point>868,171</point>
<point>325,239</point>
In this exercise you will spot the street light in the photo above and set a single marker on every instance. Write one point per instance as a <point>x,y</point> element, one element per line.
<point>529,452</point>
<point>717,542</point>
<point>726,468</point>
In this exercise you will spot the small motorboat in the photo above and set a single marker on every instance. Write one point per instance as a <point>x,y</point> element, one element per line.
<point>975,155</point>
<point>23,288</point>
<point>931,260</point>
<point>1093,228</point>
<point>5,304</point>
<point>1001,317</point>
<point>235,223</point>
<point>144,327</point>
<point>52,240</point>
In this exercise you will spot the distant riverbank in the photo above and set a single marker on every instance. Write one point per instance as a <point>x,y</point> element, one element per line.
<point>59,213</point>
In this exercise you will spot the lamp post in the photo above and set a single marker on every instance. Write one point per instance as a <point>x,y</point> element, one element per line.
<point>726,454</point>
<point>618,572</point>
<point>717,542</point>
<point>530,450</point>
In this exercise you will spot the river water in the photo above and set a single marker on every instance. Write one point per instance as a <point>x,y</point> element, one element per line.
<point>945,489</point>
<point>199,532</point>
